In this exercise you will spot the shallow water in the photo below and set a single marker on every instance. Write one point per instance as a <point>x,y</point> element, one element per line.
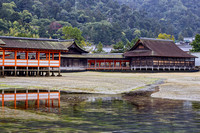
<point>104,113</point>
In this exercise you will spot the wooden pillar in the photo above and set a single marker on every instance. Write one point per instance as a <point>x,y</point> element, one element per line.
<point>49,64</point>
<point>59,65</point>
<point>48,73</point>
<point>27,71</point>
<point>27,64</point>
<point>95,63</point>
<point>15,73</point>
<point>38,58</point>
<point>38,71</point>
<point>3,73</point>
<point>52,72</point>
<point>113,64</point>
<point>59,72</point>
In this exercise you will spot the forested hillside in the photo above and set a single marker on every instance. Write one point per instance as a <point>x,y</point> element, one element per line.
<point>183,16</point>
<point>105,21</point>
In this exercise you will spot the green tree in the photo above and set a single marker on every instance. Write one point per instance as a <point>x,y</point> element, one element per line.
<point>73,33</point>
<point>26,16</point>
<point>166,36</point>
<point>43,32</point>
<point>4,26</point>
<point>7,10</point>
<point>118,47</point>
<point>180,37</point>
<point>99,48</point>
<point>129,45</point>
<point>137,33</point>
<point>20,32</point>
<point>196,44</point>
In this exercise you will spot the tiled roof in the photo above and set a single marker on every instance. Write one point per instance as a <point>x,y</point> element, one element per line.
<point>96,56</point>
<point>35,43</point>
<point>157,47</point>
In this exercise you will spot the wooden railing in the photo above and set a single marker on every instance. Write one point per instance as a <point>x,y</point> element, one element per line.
<point>108,68</point>
<point>29,63</point>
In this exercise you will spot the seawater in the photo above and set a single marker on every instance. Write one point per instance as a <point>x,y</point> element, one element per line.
<point>105,113</point>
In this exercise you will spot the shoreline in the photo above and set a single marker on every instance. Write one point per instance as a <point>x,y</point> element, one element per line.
<point>175,86</point>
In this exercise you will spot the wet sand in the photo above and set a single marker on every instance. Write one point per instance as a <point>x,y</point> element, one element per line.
<point>181,86</point>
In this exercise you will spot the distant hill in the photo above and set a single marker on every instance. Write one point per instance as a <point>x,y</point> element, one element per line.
<point>184,15</point>
<point>106,21</point>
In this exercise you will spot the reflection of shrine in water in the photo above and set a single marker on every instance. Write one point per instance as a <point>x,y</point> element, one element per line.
<point>39,96</point>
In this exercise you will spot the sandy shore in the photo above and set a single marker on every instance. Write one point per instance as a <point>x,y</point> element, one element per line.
<point>182,86</point>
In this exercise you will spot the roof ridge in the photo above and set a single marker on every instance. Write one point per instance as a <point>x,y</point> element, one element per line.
<point>35,39</point>
<point>155,39</point>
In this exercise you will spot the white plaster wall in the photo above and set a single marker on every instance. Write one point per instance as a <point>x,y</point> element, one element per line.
<point>197,60</point>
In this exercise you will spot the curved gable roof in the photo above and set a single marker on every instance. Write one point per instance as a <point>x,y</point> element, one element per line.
<point>157,47</point>
<point>38,43</point>
<point>75,46</point>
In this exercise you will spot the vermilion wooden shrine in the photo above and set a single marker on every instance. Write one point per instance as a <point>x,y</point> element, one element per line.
<point>28,56</point>
<point>146,54</point>
<point>32,57</point>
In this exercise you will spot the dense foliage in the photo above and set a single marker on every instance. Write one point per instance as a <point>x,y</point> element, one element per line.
<point>166,36</point>
<point>180,17</point>
<point>99,48</point>
<point>105,21</point>
<point>196,44</point>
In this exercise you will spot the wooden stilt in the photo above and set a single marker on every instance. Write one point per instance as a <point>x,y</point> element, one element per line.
<point>52,73</point>
<point>59,72</point>
<point>3,73</point>
<point>15,74</point>
<point>27,71</point>
<point>48,72</point>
